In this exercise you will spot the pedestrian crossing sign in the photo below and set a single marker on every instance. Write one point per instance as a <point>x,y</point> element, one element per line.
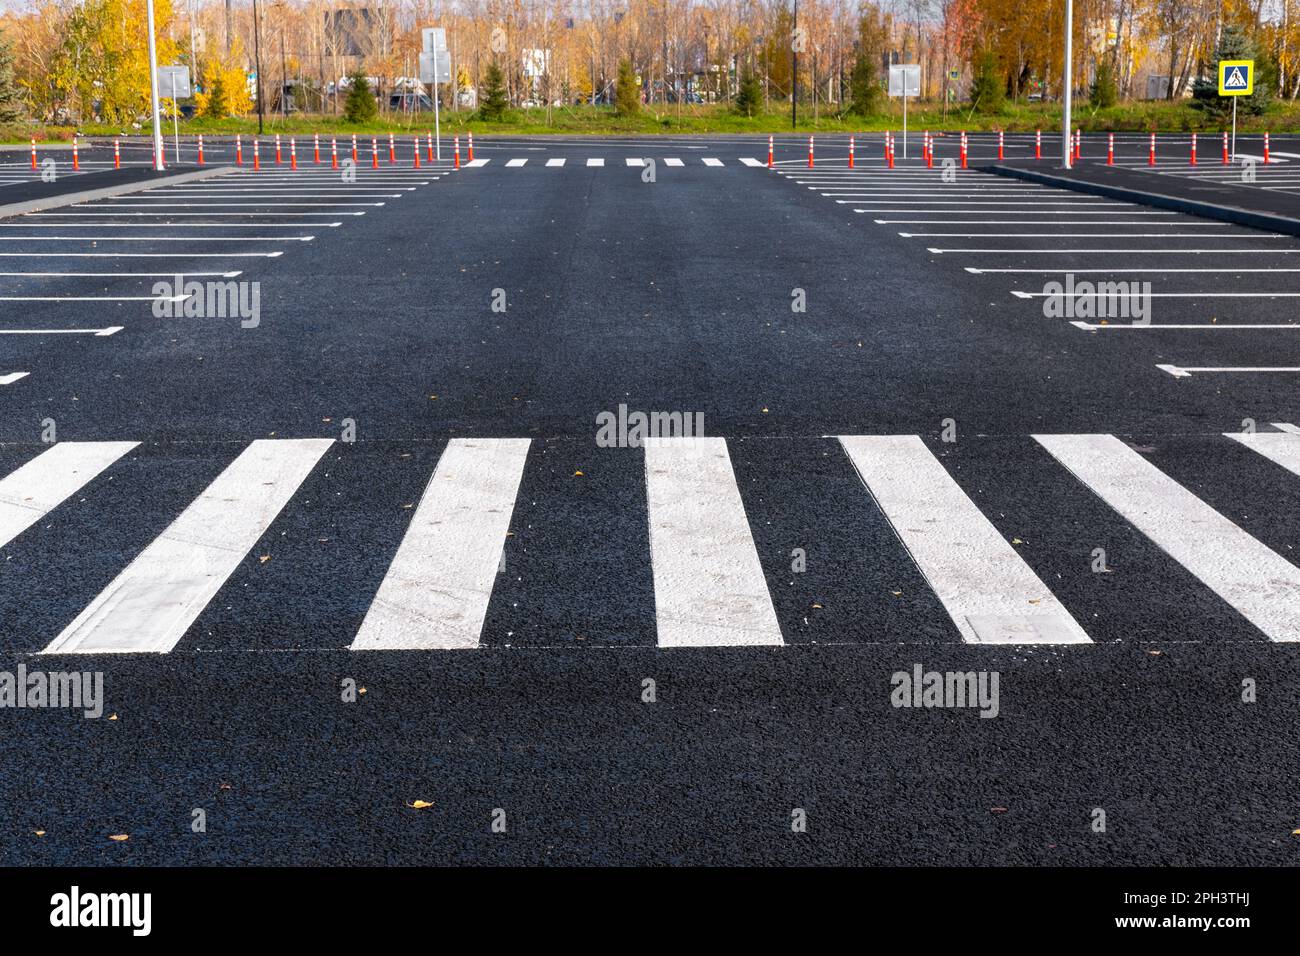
<point>1236,77</point>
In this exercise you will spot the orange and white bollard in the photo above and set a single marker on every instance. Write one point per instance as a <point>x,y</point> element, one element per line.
<point>1193,157</point>
<point>810,152</point>
<point>76,161</point>
<point>239,150</point>
<point>470,155</point>
<point>1151,156</point>
<point>257,155</point>
<point>929,150</point>
<point>316,143</point>
<point>1225,148</point>
<point>416,143</point>
<point>1000,137</point>
<point>1038,144</point>
<point>117,154</point>
<point>963,149</point>
<point>277,149</point>
<point>392,149</point>
<point>33,152</point>
<point>200,149</point>
<point>1266,148</point>
<point>769,152</point>
<point>850,151</point>
<point>1110,149</point>
<point>428,141</point>
<point>1078,144</point>
<point>293,153</point>
<point>374,152</point>
<point>456,145</point>
<point>334,153</point>
<point>889,148</point>
<point>354,149</point>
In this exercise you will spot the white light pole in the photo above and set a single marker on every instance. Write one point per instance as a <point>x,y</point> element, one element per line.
<point>1067,81</point>
<point>153,91</point>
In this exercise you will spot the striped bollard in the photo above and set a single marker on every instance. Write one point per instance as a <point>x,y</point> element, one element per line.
<point>428,142</point>
<point>963,149</point>
<point>392,149</point>
<point>1193,157</point>
<point>293,153</point>
<point>117,154</point>
<point>1151,155</point>
<point>334,153</point>
<point>277,149</point>
<point>1225,147</point>
<point>891,149</point>
<point>850,151</point>
<point>374,152</point>
<point>1110,149</point>
<point>1038,144</point>
<point>1265,148</point>
<point>769,152</point>
<point>929,150</point>
<point>1000,156</point>
<point>33,152</point>
<point>416,143</point>
<point>456,145</point>
<point>200,149</point>
<point>470,154</point>
<point>354,149</point>
<point>1078,143</point>
<point>257,156</point>
<point>810,152</point>
<point>316,144</point>
<point>76,161</point>
<point>239,150</point>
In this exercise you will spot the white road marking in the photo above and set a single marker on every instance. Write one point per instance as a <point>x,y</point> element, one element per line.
<point>475,163</point>
<point>1019,294</point>
<point>1120,270</point>
<point>153,602</point>
<point>169,225</point>
<point>1281,447</point>
<point>710,161</point>
<point>670,161</point>
<point>140,255</point>
<point>595,161</point>
<point>35,489</point>
<point>8,378</point>
<point>555,161</point>
<point>990,593</point>
<point>1094,327</point>
<point>108,330</point>
<point>1172,252</point>
<point>436,592</point>
<point>227,205</point>
<point>709,585</point>
<point>634,161</point>
<point>750,161</point>
<point>1287,427</point>
<point>1259,583</point>
<point>94,298</point>
<point>516,162</point>
<point>126,215</point>
<point>156,238</point>
<point>1029,222</point>
<point>120,275</point>
<point>1180,371</point>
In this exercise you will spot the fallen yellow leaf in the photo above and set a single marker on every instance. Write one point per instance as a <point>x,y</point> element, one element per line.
<point>39,832</point>
<point>120,837</point>
<point>264,558</point>
<point>577,474</point>
<point>419,804</point>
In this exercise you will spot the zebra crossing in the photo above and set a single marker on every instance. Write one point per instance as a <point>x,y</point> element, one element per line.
<point>717,580</point>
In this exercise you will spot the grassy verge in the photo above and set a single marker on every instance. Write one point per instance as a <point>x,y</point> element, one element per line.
<point>716,118</point>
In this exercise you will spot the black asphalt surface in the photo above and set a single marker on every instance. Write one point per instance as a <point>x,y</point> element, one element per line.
<point>666,295</point>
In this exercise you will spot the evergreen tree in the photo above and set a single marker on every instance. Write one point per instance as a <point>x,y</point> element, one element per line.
<point>11,96</point>
<point>1104,91</point>
<point>494,103</point>
<point>865,93</point>
<point>627,95</point>
<point>1235,44</point>
<point>216,104</point>
<point>360,105</point>
<point>749,98</point>
<point>988,88</point>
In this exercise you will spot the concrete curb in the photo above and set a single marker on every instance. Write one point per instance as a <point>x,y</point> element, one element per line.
<point>1193,207</point>
<point>104,192</point>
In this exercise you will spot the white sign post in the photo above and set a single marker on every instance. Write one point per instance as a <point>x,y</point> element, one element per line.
<point>905,81</point>
<point>432,71</point>
<point>176,79</point>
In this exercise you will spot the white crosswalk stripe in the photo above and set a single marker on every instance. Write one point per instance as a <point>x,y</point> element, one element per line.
<point>1259,583</point>
<point>991,594</point>
<point>671,161</point>
<point>595,161</point>
<point>151,604</point>
<point>436,592</point>
<point>35,489</point>
<point>516,162</point>
<point>709,584</point>
<point>555,161</point>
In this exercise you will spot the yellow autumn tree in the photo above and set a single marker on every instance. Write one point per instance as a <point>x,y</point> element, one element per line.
<point>225,83</point>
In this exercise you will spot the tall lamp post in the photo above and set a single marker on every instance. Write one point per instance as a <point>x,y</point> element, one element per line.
<point>153,90</point>
<point>257,64</point>
<point>794,70</point>
<point>1067,83</point>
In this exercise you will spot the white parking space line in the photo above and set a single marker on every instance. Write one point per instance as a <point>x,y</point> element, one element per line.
<point>710,590</point>
<point>710,161</point>
<point>634,161</point>
<point>1123,270</point>
<point>169,215</point>
<point>35,489</point>
<point>1038,206</point>
<point>516,162</point>
<point>140,255</point>
<point>595,161</point>
<point>1092,235</point>
<point>1019,294</point>
<point>436,591</point>
<point>116,275</point>
<point>1114,251</point>
<point>750,161</point>
<point>236,205</point>
<point>1186,371</point>
<point>556,161</point>
<point>8,378</point>
<point>172,225</point>
<point>1253,326</point>
<point>98,333</point>
<point>1282,448</point>
<point>93,298</point>
<point>1260,584</point>
<point>476,163</point>
<point>1032,222</point>
<point>156,238</point>
<point>1287,427</point>
<point>151,604</point>
<point>670,161</point>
